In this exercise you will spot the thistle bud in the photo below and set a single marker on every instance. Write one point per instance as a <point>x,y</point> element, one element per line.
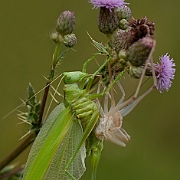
<point>69,40</point>
<point>56,37</point>
<point>124,12</point>
<point>65,23</point>
<point>123,24</point>
<point>122,56</point>
<point>135,71</point>
<point>108,21</point>
<point>138,53</point>
<point>121,39</point>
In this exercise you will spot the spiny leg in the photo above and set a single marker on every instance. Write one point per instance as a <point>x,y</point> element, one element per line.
<point>87,131</point>
<point>96,145</point>
<point>103,110</point>
<point>123,93</point>
<point>134,97</point>
<point>113,103</point>
<point>127,108</point>
<point>90,80</point>
<point>97,101</point>
<point>93,96</point>
<point>106,103</point>
<point>143,73</point>
<point>88,61</point>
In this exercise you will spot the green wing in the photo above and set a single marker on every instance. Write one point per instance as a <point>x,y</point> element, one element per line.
<point>52,148</point>
<point>64,153</point>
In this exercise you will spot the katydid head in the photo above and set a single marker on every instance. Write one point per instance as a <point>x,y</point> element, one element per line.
<point>72,77</point>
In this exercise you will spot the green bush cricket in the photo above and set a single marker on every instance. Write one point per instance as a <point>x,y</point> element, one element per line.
<point>51,147</point>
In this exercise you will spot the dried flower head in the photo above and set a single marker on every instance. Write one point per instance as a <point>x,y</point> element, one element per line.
<point>141,28</point>
<point>165,72</point>
<point>109,4</point>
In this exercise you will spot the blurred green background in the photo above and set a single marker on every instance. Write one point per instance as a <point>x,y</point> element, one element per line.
<point>25,55</point>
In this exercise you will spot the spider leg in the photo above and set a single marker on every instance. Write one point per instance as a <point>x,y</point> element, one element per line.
<point>123,93</point>
<point>129,103</point>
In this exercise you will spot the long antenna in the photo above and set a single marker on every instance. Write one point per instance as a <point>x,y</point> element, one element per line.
<point>30,98</point>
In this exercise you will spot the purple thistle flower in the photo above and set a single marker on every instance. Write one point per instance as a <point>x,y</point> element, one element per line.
<point>165,73</point>
<point>109,4</point>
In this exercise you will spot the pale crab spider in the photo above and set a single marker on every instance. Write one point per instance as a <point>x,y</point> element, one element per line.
<point>110,124</point>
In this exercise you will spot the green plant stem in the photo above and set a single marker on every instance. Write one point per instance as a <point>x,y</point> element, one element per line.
<point>43,104</point>
<point>13,172</point>
<point>50,79</point>
<point>32,135</point>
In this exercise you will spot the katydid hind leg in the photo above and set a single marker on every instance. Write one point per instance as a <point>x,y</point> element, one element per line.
<point>87,130</point>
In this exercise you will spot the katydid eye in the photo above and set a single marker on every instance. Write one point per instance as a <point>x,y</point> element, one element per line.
<point>68,77</point>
